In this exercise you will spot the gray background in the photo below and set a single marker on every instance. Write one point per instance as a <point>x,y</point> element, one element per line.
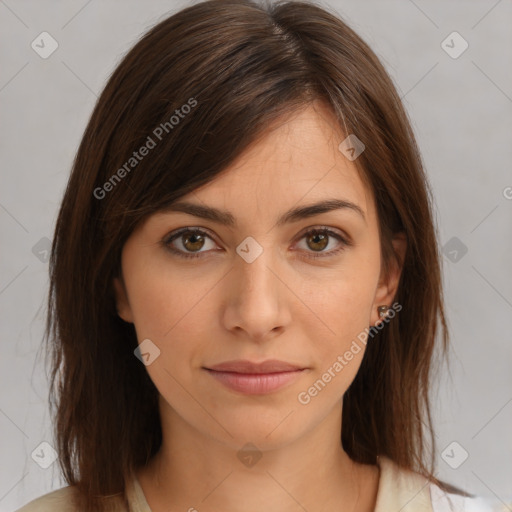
<point>460,109</point>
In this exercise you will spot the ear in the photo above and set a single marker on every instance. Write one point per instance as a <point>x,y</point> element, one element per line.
<point>122,304</point>
<point>388,284</point>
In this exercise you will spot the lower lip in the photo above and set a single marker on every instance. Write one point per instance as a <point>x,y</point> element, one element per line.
<point>255,384</point>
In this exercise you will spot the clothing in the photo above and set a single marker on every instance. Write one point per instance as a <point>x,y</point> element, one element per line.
<point>398,490</point>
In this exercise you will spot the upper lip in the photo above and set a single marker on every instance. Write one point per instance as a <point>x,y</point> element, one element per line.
<point>245,366</point>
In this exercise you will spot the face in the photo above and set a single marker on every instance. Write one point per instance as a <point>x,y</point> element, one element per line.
<point>299,289</point>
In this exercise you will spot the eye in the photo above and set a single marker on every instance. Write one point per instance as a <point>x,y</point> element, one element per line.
<point>192,240</point>
<point>318,239</point>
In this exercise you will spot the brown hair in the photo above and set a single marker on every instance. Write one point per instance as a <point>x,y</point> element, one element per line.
<point>238,66</point>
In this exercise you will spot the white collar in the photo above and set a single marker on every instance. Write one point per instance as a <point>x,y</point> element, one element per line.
<point>398,489</point>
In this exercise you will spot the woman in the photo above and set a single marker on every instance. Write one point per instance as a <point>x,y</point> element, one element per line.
<point>245,278</point>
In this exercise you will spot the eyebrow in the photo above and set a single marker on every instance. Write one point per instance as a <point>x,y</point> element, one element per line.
<point>226,218</point>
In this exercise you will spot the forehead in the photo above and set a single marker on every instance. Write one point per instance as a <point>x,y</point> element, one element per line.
<point>295,161</point>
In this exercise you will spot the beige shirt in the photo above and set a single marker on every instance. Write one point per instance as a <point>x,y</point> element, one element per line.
<point>398,490</point>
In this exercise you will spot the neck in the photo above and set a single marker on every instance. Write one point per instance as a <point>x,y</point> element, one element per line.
<point>193,471</point>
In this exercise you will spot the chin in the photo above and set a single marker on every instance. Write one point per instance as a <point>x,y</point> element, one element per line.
<point>266,433</point>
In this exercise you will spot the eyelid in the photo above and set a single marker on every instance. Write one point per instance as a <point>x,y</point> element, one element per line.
<point>322,228</point>
<point>344,239</point>
<point>170,237</point>
<point>174,233</point>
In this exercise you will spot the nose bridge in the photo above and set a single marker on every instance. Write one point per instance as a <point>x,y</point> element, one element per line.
<point>253,270</point>
<point>257,303</point>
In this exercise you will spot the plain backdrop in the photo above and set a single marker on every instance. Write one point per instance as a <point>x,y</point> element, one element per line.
<point>461,110</point>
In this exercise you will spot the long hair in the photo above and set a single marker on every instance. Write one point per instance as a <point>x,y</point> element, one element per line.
<point>197,89</point>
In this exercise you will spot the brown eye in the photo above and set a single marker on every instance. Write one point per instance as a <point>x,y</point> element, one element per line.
<point>319,238</point>
<point>192,241</point>
<point>317,241</point>
<point>188,242</point>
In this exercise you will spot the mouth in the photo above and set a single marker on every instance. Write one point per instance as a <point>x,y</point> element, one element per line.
<point>255,378</point>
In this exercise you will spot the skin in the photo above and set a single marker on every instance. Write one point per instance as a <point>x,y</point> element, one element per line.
<point>284,305</point>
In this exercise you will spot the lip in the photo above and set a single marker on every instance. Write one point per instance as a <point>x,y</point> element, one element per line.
<point>265,367</point>
<point>255,378</point>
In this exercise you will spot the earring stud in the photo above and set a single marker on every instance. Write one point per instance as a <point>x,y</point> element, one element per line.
<point>383,311</point>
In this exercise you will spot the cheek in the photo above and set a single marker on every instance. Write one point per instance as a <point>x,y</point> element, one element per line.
<point>169,309</point>
<point>337,314</point>
<point>151,302</point>
<point>340,300</point>
<point>164,299</point>
<point>336,357</point>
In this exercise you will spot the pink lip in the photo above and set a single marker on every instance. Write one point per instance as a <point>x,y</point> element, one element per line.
<point>255,378</point>
<point>254,383</point>
<point>245,366</point>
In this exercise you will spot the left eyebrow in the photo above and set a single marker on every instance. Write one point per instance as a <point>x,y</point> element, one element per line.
<point>306,211</point>
<point>226,218</point>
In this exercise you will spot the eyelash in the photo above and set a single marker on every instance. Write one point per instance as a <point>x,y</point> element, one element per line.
<point>195,231</point>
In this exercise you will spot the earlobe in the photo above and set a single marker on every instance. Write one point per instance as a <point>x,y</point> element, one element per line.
<point>122,305</point>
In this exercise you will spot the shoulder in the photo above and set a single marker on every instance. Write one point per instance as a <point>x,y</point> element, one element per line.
<point>448,502</point>
<point>62,500</point>
<point>55,501</point>
<point>400,488</point>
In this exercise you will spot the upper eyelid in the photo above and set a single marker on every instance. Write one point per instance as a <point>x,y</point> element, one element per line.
<point>316,227</point>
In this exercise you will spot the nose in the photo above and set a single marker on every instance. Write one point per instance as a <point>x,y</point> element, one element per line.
<point>257,298</point>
